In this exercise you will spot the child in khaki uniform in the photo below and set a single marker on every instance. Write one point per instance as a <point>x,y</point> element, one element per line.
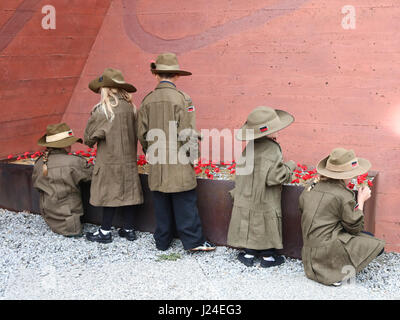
<point>256,222</point>
<point>332,221</point>
<point>173,183</point>
<point>57,175</point>
<point>112,126</point>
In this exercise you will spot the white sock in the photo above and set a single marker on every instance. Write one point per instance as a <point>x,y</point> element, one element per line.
<point>271,258</point>
<point>248,256</point>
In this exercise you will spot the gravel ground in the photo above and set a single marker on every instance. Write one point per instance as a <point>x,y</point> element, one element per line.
<point>35,263</point>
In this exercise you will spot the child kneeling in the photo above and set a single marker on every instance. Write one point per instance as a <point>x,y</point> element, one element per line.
<point>332,221</point>
<point>57,175</point>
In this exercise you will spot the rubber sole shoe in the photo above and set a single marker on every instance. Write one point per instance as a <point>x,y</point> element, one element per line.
<point>206,246</point>
<point>268,264</point>
<point>129,235</point>
<point>98,236</point>
<point>337,284</point>
<point>248,262</point>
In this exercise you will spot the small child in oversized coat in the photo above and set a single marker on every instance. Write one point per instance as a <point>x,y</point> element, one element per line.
<point>112,126</point>
<point>57,175</point>
<point>256,222</point>
<point>332,221</point>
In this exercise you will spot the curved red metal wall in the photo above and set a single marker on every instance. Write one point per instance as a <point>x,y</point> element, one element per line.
<point>340,84</point>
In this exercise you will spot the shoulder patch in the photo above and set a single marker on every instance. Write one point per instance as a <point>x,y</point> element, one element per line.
<point>190,108</point>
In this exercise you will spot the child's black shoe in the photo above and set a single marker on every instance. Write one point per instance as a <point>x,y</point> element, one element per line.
<point>128,234</point>
<point>278,260</point>
<point>98,236</point>
<point>248,262</point>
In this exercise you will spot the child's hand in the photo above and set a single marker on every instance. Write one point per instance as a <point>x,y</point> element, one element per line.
<point>364,193</point>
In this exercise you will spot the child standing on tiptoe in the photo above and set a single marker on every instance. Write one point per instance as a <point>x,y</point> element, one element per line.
<point>115,182</point>
<point>256,222</point>
<point>57,175</point>
<point>172,178</point>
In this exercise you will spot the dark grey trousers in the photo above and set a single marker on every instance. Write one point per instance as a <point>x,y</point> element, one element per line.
<point>177,211</point>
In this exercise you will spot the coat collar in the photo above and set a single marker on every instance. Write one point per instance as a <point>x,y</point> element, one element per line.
<point>166,84</point>
<point>269,141</point>
<point>58,151</point>
<point>341,184</point>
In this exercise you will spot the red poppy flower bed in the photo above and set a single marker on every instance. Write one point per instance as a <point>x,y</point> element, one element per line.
<point>214,202</point>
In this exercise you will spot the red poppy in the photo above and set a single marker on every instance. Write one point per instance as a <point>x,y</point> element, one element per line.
<point>360,179</point>
<point>19,158</point>
<point>217,170</point>
<point>370,183</point>
<point>206,171</point>
<point>210,176</point>
<point>296,181</point>
<point>10,156</point>
<point>233,171</point>
<point>350,185</point>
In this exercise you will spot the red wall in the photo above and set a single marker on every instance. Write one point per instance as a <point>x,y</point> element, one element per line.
<point>40,68</point>
<point>341,85</point>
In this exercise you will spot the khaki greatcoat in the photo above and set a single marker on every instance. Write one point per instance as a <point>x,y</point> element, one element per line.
<point>172,112</point>
<point>331,225</point>
<point>256,221</point>
<point>115,181</point>
<point>60,195</point>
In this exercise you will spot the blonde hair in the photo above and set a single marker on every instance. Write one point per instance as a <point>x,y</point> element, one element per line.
<point>106,105</point>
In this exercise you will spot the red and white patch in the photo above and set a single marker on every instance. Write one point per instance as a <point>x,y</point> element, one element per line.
<point>354,164</point>
<point>264,129</point>
<point>191,109</point>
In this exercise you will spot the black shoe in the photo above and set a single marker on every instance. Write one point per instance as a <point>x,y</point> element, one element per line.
<point>248,262</point>
<point>267,264</point>
<point>128,234</point>
<point>98,236</point>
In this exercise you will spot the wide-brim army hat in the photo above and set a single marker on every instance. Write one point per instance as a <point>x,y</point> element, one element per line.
<point>342,164</point>
<point>167,63</point>
<point>111,78</point>
<point>263,121</point>
<point>58,135</point>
